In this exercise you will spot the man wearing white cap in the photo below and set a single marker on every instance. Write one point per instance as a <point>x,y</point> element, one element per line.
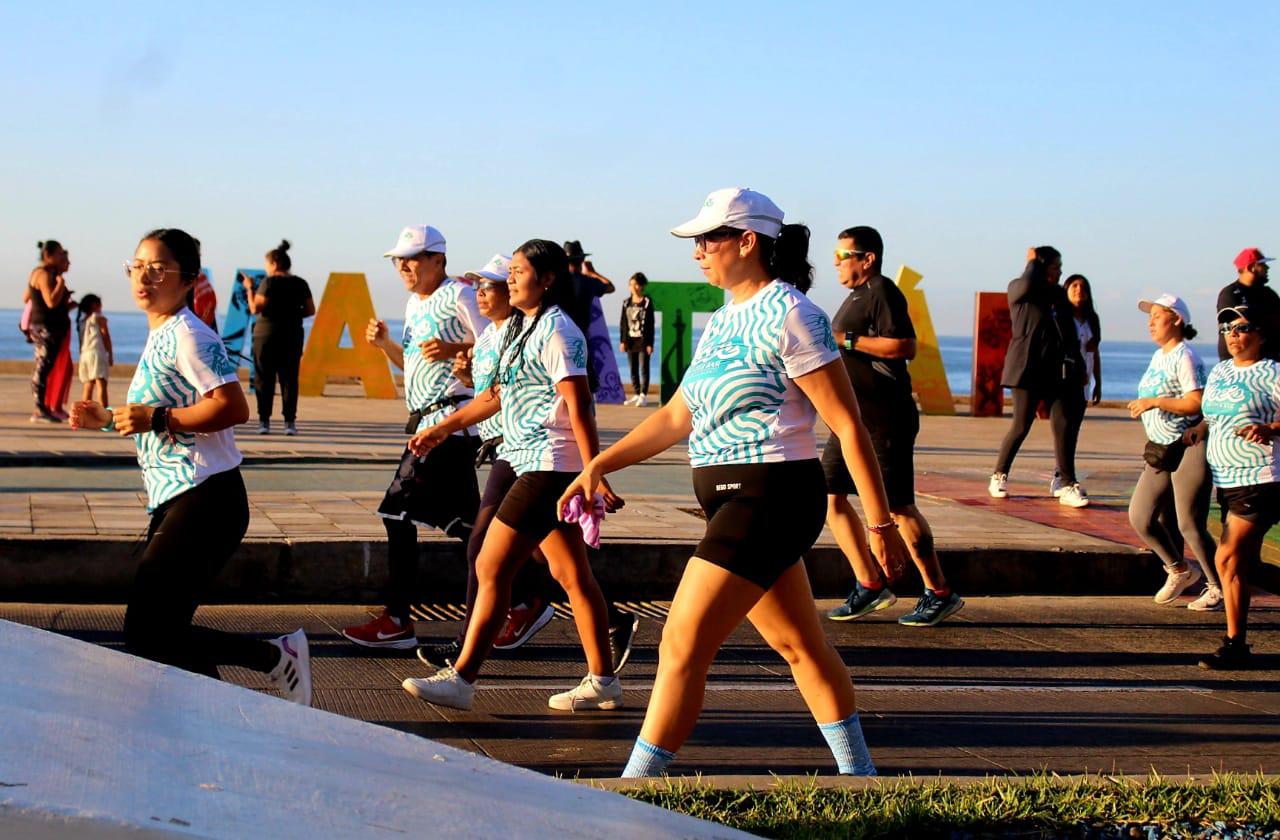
<point>439,489</point>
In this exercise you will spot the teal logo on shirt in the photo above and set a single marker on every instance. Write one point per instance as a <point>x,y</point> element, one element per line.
<point>577,352</point>
<point>820,329</point>
<point>1224,400</point>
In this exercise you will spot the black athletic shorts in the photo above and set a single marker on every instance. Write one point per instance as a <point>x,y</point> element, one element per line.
<point>761,518</point>
<point>438,489</point>
<point>895,445</point>
<point>529,507</point>
<point>1257,503</point>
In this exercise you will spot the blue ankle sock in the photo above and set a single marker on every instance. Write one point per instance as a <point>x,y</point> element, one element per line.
<point>647,760</point>
<point>848,746</point>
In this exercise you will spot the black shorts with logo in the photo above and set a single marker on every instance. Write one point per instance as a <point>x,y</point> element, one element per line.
<point>437,489</point>
<point>894,443</point>
<point>1256,503</point>
<point>761,518</point>
<point>529,507</point>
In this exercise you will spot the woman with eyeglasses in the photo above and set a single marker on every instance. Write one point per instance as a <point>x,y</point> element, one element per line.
<point>766,366</point>
<point>184,401</point>
<point>1241,409</point>
<point>548,432</point>
<point>1175,475</point>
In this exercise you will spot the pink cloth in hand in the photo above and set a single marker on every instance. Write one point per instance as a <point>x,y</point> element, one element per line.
<point>588,518</point>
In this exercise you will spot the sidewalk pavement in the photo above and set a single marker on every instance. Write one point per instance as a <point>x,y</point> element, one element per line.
<point>315,538</point>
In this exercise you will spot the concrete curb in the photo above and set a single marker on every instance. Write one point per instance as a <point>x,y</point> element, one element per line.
<point>101,569</point>
<point>773,782</point>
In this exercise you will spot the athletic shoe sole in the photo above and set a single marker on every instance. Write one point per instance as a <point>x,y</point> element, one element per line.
<point>626,652</point>
<point>445,662</point>
<point>542,621</point>
<point>876,606</point>
<point>950,610</point>
<point>393,644</point>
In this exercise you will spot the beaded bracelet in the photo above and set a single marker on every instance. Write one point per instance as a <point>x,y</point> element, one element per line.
<point>880,529</point>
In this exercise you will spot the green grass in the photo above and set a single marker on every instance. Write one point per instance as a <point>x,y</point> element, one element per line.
<point>1027,806</point>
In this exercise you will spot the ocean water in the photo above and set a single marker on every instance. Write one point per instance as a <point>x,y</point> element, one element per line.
<point>1123,362</point>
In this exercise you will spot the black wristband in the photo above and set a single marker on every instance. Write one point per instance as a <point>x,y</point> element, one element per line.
<point>160,420</point>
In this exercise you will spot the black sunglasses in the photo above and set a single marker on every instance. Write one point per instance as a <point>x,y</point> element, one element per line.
<point>1238,329</point>
<point>718,235</point>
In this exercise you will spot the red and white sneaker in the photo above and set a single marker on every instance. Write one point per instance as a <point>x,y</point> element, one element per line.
<point>383,632</point>
<point>523,622</point>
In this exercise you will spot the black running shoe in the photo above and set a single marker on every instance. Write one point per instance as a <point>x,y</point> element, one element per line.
<point>440,656</point>
<point>620,637</point>
<point>1234,655</point>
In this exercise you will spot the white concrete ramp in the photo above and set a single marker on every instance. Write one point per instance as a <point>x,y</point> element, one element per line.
<point>95,743</point>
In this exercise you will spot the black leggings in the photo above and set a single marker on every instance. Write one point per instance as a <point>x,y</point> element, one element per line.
<point>639,370</point>
<point>276,358</point>
<point>191,538</point>
<point>1066,414</point>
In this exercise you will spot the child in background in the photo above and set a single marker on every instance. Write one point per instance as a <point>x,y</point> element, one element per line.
<point>96,356</point>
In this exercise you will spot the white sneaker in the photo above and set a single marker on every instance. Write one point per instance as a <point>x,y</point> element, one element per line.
<point>290,429</point>
<point>444,688</point>
<point>589,694</point>
<point>999,486</point>
<point>293,675</point>
<point>1073,495</point>
<point>1209,601</point>
<point>642,401</point>
<point>1177,583</point>
<point>264,429</point>
<point>1057,486</point>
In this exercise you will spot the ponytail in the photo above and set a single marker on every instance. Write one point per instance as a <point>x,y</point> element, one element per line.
<point>48,248</point>
<point>280,256</point>
<point>787,256</point>
<point>1189,332</point>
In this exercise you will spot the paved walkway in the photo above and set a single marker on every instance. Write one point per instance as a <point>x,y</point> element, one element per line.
<point>1007,685</point>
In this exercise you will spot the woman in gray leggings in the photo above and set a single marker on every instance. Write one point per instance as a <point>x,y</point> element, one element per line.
<point>1169,405</point>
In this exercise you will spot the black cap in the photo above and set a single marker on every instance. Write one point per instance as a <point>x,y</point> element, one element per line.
<point>573,250</point>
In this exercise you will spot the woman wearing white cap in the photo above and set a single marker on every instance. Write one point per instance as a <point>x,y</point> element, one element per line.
<point>747,404</point>
<point>1242,411</point>
<point>1169,405</point>
<point>548,433</point>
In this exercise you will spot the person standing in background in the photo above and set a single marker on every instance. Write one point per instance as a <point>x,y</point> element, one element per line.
<point>1043,364</point>
<point>96,357</point>
<point>636,330</point>
<point>50,324</point>
<point>585,284</point>
<point>1089,331</point>
<point>1251,290</point>
<point>204,301</point>
<point>281,302</point>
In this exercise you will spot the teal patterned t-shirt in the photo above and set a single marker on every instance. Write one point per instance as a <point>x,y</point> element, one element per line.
<point>448,314</point>
<point>1236,397</point>
<point>1174,375</point>
<point>484,364</point>
<point>746,407</point>
<point>182,361</point>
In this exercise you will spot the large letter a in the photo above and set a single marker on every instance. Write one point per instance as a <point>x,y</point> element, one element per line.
<point>346,303</point>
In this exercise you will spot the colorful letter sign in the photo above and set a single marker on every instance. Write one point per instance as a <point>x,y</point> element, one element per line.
<point>675,304</point>
<point>991,334</point>
<point>346,303</point>
<point>928,376</point>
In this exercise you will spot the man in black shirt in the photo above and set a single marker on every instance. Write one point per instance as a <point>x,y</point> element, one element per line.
<point>876,338</point>
<point>584,286</point>
<point>1251,290</point>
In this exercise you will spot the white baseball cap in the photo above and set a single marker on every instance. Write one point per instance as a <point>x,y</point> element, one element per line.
<point>734,207</point>
<point>497,269</point>
<point>417,239</point>
<point>1170,302</point>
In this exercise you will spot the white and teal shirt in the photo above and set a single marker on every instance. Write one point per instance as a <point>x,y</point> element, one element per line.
<point>746,408</point>
<point>182,361</point>
<point>1172,375</point>
<point>536,433</point>
<point>449,314</point>
<point>1236,397</point>
<point>484,364</point>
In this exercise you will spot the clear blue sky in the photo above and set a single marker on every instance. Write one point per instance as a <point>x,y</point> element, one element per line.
<point>1139,138</point>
